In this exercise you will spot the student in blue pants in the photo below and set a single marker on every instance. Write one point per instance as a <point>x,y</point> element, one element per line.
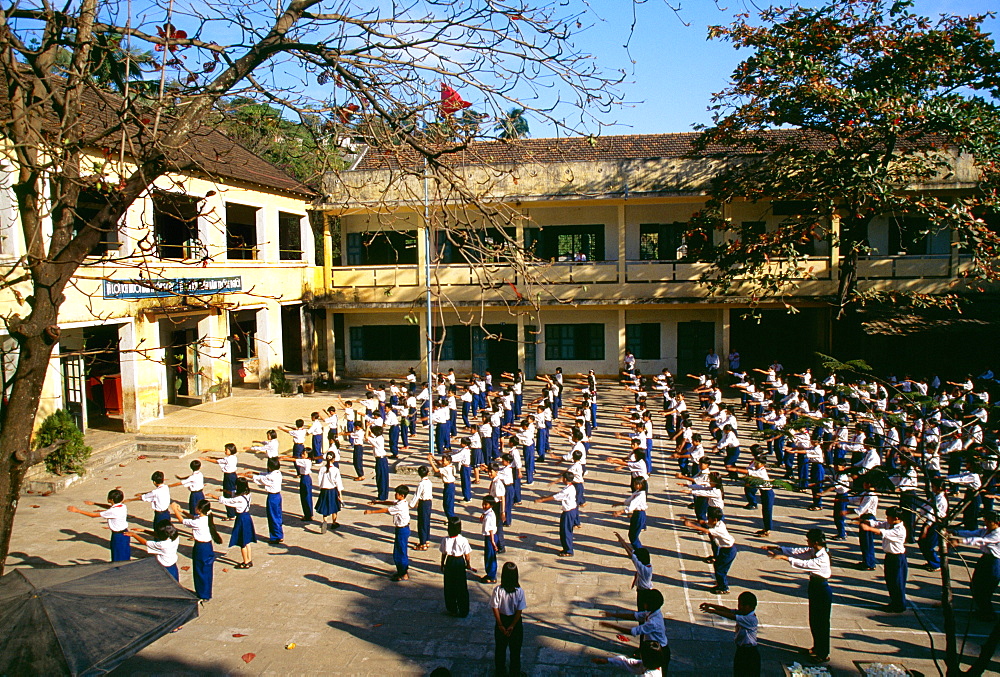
<point>723,548</point>
<point>635,508</point>
<point>987,572</point>
<point>271,483</point>
<point>893,533</point>
<point>446,471</point>
<point>116,513</point>
<point>488,521</point>
<point>203,553</point>
<point>569,518</point>
<point>400,512</point>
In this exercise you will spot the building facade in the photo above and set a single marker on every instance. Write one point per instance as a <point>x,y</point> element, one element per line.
<point>588,252</point>
<point>200,290</point>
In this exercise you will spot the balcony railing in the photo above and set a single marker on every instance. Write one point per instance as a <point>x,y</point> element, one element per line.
<point>636,272</point>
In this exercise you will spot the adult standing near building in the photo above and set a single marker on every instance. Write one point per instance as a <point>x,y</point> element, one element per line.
<point>629,362</point>
<point>712,363</point>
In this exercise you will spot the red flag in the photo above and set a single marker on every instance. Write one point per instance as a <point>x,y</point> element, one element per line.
<point>451,101</point>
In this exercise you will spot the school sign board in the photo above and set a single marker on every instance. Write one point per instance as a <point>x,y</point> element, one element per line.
<point>185,286</point>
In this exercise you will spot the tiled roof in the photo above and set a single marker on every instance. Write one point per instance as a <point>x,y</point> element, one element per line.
<point>551,150</point>
<point>207,150</point>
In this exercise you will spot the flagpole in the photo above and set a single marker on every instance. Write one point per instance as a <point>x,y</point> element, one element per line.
<point>430,314</point>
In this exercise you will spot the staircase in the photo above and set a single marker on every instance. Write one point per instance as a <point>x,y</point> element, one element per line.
<point>110,452</point>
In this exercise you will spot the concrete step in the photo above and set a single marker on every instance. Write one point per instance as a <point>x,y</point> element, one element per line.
<point>166,446</point>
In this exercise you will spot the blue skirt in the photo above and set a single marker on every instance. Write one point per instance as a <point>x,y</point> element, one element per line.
<point>478,458</point>
<point>328,502</point>
<point>243,533</point>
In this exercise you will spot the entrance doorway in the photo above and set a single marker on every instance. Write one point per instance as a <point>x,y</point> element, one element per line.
<point>182,361</point>
<point>494,347</point>
<point>92,381</point>
<point>243,348</point>
<point>693,341</point>
<point>291,338</point>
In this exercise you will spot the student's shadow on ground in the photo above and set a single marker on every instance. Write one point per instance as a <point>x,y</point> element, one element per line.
<point>83,537</point>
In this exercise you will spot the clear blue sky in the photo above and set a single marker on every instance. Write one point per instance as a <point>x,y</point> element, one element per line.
<point>676,68</point>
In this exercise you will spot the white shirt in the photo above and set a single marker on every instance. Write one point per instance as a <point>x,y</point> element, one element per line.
<point>165,551</point>
<point>117,517</point>
<point>462,457</point>
<point>816,562</point>
<point>721,536</point>
<point>508,602</point>
<point>497,488</point>
<point>455,547</point>
<point>566,497</point>
<point>240,504</point>
<point>746,630</point>
<point>865,504</point>
<point>199,528</point>
<point>643,575</point>
<point>270,448</point>
<point>488,522</point>
<point>194,482</point>
<point>378,445</point>
<point>158,497</point>
<point>987,541</point>
<point>637,501</point>
<point>316,427</point>
<point>400,511</point>
<point>298,435</point>
<point>424,492</point>
<point>893,537</point>
<point>330,478</point>
<point>447,473</point>
<point>304,466</point>
<point>271,482</point>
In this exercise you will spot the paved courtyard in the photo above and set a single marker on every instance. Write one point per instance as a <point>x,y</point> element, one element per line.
<point>330,594</point>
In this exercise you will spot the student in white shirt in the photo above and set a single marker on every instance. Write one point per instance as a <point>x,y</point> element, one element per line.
<point>987,571</point>
<point>421,500</point>
<point>456,559</point>
<point>723,548</point>
<point>158,498</point>
<point>298,434</point>
<point>203,533</point>
<point>331,491</point>
<point>635,508</point>
<point>315,431</point>
<point>488,528</point>
<point>569,518</point>
<point>357,438</point>
<point>163,544</point>
<point>195,484</point>
<point>243,533</point>
<point>400,512</point>
<point>894,546</point>
<point>816,560</point>
<point>643,579</point>
<point>507,603</point>
<point>116,513</point>
<point>650,629</point>
<point>376,438</point>
<point>269,447</point>
<point>229,462</point>
<point>646,665</point>
<point>271,483</point>
<point>746,662</point>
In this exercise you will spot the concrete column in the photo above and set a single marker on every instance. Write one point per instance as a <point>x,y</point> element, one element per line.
<point>723,350</point>
<point>521,356</point>
<point>621,254</point>
<point>331,346</point>
<point>621,338</point>
<point>307,329</point>
<point>327,261</point>
<point>130,378</point>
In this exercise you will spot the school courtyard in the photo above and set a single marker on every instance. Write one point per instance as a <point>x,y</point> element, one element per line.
<point>324,604</point>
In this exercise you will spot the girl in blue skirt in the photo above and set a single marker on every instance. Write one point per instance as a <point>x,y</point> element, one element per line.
<point>116,513</point>
<point>202,554</point>
<point>331,487</point>
<point>243,533</point>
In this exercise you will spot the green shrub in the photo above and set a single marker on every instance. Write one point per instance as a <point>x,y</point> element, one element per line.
<point>278,380</point>
<point>73,454</point>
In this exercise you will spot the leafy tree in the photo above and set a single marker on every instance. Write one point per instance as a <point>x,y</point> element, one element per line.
<point>513,125</point>
<point>843,109</point>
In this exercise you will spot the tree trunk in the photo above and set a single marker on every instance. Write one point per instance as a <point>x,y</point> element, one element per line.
<point>36,338</point>
<point>951,658</point>
<point>848,280</point>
